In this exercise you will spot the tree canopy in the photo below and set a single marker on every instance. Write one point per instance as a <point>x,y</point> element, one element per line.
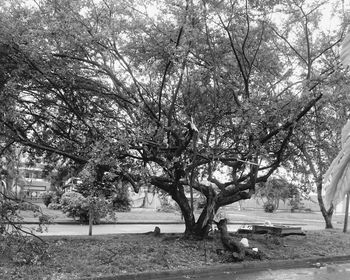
<point>167,96</point>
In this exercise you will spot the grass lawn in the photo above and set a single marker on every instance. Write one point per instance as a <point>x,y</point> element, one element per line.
<point>135,215</point>
<point>74,257</point>
<point>235,216</point>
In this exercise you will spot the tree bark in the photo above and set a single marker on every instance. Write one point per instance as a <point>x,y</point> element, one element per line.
<point>327,214</point>
<point>201,228</point>
<point>180,198</point>
<point>91,218</point>
<point>205,219</point>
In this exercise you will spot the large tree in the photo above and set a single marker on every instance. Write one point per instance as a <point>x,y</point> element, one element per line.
<point>168,96</point>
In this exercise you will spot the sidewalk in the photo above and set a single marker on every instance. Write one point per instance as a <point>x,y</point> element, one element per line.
<point>237,271</point>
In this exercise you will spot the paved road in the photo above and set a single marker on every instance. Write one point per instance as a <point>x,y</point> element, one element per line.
<point>76,229</point>
<point>72,229</point>
<point>328,272</point>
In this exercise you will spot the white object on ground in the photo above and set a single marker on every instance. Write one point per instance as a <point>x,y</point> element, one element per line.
<point>245,242</point>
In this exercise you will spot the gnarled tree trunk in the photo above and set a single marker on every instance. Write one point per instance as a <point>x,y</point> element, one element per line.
<point>205,219</point>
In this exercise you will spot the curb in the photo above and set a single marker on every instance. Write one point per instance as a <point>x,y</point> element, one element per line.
<point>148,223</point>
<point>236,268</point>
<point>106,223</point>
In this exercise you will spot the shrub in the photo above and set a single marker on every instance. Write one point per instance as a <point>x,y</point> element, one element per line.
<point>119,195</point>
<point>44,219</point>
<point>120,200</point>
<point>47,197</point>
<point>50,197</point>
<point>55,206</point>
<point>168,207</point>
<point>75,205</point>
<point>269,207</point>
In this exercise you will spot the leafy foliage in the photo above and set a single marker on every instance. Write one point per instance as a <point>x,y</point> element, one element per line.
<point>269,207</point>
<point>78,206</point>
<point>120,199</point>
<point>278,189</point>
<point>17,243</point>
<point>319,138</point>
<point>113,191</point>
<point>23,250</point>
<point>167,100</point>
<point>49,197</point>
<point>111,186</point>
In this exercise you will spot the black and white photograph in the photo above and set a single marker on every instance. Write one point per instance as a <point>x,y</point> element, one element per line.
<point>174,139</point>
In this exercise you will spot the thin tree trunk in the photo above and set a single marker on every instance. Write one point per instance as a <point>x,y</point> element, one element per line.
<point>327,215</point>
<point>91,217</point>
<point>346,213</point>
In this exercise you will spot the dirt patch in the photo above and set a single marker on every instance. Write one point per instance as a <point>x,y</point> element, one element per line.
<point>74,257</point>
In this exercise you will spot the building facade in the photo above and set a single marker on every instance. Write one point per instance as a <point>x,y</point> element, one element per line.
<point>34,183</point>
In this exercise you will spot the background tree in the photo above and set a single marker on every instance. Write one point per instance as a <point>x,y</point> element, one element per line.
<point>318,137</point>
<point>319,143</point>
<point>277,189</point>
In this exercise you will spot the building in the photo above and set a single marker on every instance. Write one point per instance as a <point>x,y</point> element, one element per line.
<point>33,182</point>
